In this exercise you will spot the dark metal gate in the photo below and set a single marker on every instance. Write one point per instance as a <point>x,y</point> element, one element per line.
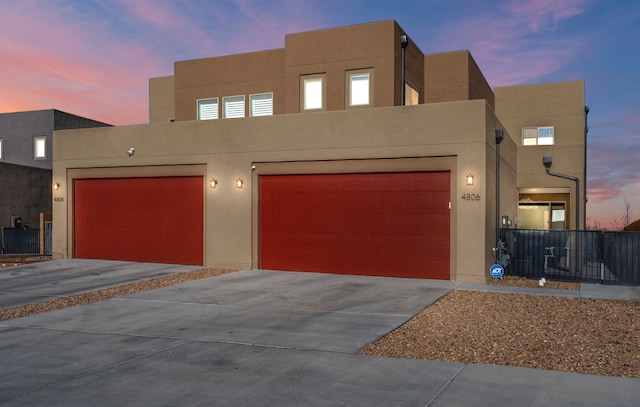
<point>586,256</point>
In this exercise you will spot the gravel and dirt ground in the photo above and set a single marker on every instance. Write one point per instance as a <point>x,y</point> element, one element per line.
<point>568,334</point>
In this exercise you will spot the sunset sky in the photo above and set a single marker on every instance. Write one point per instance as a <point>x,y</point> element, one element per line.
<point>94,58</point>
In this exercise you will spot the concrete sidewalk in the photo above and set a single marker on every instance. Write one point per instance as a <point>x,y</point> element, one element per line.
<point>263,338</point>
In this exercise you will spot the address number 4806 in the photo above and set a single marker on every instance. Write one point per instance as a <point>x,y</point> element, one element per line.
<point>470,197</point>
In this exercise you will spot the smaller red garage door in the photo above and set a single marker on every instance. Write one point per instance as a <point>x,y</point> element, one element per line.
<point>384,224</point>
<point>156,220</point>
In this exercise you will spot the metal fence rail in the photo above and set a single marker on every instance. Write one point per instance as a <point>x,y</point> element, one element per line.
<point>21,241</point>
<point>583,256</point>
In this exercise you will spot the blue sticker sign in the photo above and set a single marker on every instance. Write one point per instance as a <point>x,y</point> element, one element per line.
<point>496,271</point>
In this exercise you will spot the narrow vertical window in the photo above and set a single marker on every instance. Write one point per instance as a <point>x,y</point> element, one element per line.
<point>359,89</point>
<point>313,92</point>
<point>207,109</point>
<point>0,149</point>
<point>233,106</point>
<point>261,104</point>
<point>40,147</point>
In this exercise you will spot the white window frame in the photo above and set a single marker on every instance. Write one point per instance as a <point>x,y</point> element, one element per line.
<point>535,136</point>
<point>39,147</point>
<point>261,104</point>
<point>208,109</point>
<point>232,107</point>
<point>313,92</point>
<point>360,88</point>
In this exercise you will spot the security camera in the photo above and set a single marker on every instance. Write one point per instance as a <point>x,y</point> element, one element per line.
<point>131,151</point>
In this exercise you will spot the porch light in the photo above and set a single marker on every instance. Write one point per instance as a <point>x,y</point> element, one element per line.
<point>239,183</point>
<point>56,186</point>
<point>470,179</point>
<point>213,183</point>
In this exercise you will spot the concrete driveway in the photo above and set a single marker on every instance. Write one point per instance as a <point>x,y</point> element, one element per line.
<point>262,338</point>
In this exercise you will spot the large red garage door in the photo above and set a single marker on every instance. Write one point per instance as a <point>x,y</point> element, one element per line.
<point>139,219</point>
<point>383,224</point>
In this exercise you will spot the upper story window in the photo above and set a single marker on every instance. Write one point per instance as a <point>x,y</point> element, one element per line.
<point>261,104</point>
<point>538,136</point>
<point>40,147</point>
<point>313,92</point>
<point>360,88</point>
<point>411,95</point>
<point>233,106</point>
<point>207,109</point>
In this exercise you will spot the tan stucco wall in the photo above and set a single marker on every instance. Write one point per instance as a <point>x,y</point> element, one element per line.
<point>332,52</point>
<point>458,135</point>
<point>161,99</point>
<point>450,76</point>
<point>561,105</point>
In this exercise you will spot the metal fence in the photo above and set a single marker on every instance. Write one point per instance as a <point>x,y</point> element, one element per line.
<point>584,256</point>
<point>21,241</point>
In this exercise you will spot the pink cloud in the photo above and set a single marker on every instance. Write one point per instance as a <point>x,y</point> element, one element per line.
<point>513,45</point>
<point>70,64</point>
<point>540,14</point>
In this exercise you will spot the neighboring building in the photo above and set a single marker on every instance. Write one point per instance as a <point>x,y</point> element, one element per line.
<point>335,174</point>
<point>26,161</point>
<point>632,227</point>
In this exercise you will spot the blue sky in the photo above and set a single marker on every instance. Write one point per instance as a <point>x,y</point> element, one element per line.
<point>94,58</point>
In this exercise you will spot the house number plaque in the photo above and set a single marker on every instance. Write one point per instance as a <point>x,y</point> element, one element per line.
<point>470,197</point>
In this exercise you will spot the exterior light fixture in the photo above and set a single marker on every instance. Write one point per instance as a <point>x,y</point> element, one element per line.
<point>470,179</point>
<point>239,183</point>
<point>56,186</point>
<point>213,183</point>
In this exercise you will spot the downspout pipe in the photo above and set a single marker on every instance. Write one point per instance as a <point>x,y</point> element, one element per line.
<point>404,42</point>
<point>547,161</point>
<point>499,138</point>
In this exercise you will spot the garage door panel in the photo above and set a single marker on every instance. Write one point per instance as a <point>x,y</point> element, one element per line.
<point>394,224</point>
<point>140,219</point>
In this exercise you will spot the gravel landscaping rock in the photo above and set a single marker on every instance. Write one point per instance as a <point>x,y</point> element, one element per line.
<point>567,334</point>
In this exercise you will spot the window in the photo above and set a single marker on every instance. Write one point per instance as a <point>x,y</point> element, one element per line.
<point>541,215</point>
<point>537,136</point>
<point>261,104</point>
<point>313,92</point>
<point>0,149</point>
<point>233,106</point>
<point>208,109</point>
<point>360,88</point>
<point>411,95</point>
<point>39,147</point>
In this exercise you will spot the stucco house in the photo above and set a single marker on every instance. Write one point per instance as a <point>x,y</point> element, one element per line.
<point>26,162</point>
<point>366,158</point>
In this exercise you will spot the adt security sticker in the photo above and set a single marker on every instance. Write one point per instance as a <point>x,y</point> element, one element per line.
<point>496,271</point>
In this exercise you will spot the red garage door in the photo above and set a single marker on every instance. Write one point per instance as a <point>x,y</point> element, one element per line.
<point>383,224</point>
<point>139,219</point>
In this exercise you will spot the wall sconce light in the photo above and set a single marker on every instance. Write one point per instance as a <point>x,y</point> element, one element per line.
<point>56,186</point>
<point>239,183</point>
<point>213,183</point>
<point>470,179</point>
